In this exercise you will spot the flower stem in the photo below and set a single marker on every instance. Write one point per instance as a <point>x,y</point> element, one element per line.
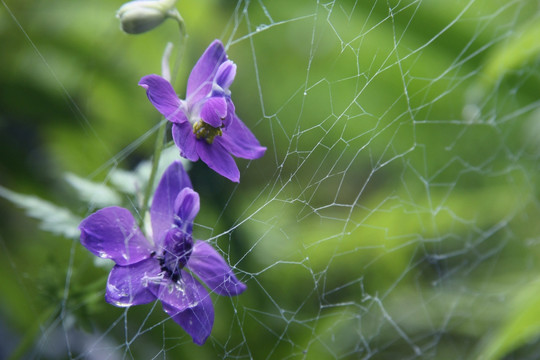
<point>158,148</point>
<point>155,162</point>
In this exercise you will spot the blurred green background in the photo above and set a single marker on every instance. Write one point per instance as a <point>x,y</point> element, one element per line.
<point>394,215</point>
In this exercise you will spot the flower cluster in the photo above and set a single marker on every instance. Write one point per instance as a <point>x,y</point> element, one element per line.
<point>166,263</point>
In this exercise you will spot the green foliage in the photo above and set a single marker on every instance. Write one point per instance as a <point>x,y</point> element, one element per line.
<point>133,182</point>
<point>519,326</point>
<point>521,48</point>
<point>93,193</point>
<point>51,217</point>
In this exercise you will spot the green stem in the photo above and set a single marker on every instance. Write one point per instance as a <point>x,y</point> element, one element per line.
<point>155,162</point>
<point>158,148</point>
<point>181,45</point>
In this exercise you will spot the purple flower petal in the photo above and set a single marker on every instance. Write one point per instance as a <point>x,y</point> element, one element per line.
<point>218,159</point>
<point>225,74</point>
<point>240,141</point>
<point>161,94</point>
<point>162,212</point>
<point>130,285</point>
<point>183,294</point>
<point>189,304</point>
<point>201,77</point>
<point>113,233</point>
<point>211,268</point>
<point>196,321</point>
<point>230,113</point>
<point>185,140</point>
<point>214,111</point>
<point>186,208</point>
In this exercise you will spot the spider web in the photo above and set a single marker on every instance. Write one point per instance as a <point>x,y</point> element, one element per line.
<point>393,215</point>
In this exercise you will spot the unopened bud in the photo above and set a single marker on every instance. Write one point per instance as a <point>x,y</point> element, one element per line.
<point>139,16</point>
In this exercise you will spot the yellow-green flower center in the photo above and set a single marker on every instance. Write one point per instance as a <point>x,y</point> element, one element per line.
<point>205,131</point>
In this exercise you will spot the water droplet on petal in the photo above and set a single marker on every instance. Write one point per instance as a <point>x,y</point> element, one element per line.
<point>122,304</point>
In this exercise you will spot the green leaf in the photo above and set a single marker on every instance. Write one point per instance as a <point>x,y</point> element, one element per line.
<point>94,193</point>
<point>53,218</point>
<point>134,182</point>
<point>521,325</point>
<point>521,48</point>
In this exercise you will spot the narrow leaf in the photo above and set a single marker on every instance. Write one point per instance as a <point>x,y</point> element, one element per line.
<point>53,218</point>
<point>521,48</point>
<point>134,182</point>
<point>94,193</point>
<point>520,325</point>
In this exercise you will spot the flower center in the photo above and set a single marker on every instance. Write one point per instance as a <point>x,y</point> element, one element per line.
<point>177,248</point>
<point>205,131</point>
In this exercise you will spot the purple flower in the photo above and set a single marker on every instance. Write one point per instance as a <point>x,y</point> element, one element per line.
<point>205,125</point>
<point>155,267</point>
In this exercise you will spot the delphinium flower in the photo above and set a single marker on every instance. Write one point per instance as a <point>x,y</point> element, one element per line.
<point>156,266</point>
<point>205,124</point>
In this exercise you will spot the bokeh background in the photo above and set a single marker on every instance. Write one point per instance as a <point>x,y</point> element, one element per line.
<point>394,215</point>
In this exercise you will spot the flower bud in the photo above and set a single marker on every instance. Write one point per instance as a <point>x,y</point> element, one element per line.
<point>139,16</point>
